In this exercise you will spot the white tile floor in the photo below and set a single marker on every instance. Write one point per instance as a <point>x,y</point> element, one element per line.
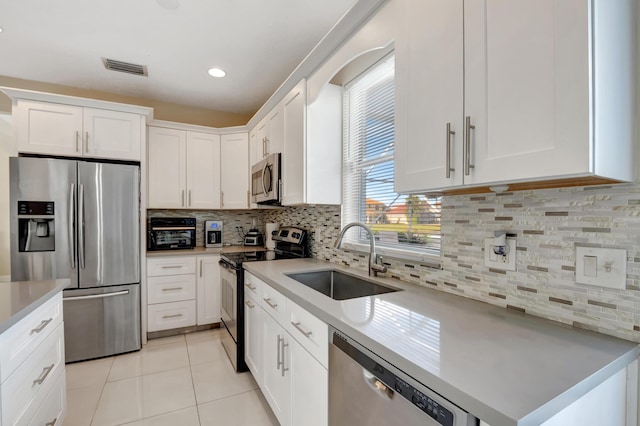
<point>180,380</point>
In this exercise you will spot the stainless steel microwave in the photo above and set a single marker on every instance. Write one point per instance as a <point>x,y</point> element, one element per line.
<point>265,180</point>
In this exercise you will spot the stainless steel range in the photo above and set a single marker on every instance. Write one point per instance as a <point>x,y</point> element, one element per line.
<point>291,243</point>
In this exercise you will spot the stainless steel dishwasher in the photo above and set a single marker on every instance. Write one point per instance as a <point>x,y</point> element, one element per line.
<point>366,390</point>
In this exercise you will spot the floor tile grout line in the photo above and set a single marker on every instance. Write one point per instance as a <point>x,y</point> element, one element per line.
<point>95,409</point>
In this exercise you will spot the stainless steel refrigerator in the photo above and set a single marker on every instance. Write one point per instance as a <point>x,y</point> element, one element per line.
<point>80,220</point>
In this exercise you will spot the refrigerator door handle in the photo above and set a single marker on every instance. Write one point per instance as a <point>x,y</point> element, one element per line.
<point>71,228</point>
<point>98,296</point>
<point>81,226</point>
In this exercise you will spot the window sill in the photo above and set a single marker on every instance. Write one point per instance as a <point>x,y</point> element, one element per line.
<point>427,259</point>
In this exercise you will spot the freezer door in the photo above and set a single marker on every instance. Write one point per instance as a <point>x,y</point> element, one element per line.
<point>43,180</point>
<point>101,321</point>
<point>109,224</point>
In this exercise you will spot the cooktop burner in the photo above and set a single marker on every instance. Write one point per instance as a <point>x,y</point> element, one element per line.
<point>237,259</point>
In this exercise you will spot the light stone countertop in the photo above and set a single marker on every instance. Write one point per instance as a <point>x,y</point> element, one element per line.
<point>199,251</point>
<point>19,298</point>
<point>502,366</point>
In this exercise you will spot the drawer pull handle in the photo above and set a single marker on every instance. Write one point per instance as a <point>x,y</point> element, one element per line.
<point>251,287</point>
<point>273,305</point>
<point>172,288</point>
<point>43,375</point>
<point>249,304</point>
<point>172,316</point>
<point>42,325</point>
<point>52,422</point>
<point>300,329</point>
<point>172,267</point>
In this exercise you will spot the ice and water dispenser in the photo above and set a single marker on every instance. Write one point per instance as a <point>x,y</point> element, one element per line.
<point>36,226</point>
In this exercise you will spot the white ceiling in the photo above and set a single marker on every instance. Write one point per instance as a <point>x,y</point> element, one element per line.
<point>257,42</point>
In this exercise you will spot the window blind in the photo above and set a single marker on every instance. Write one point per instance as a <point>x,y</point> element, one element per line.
<point>399,221</point>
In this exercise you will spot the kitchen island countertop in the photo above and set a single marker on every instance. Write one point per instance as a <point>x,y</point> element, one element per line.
<point>19,298</point>
<point>503,366</point>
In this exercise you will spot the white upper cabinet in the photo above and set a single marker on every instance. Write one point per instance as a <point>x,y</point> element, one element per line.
<point>183,169</point>
<point>503,92</point>
<point>267,136</point>
<point>70,130</point>
<point>312,152</point>
<point>234,171</point>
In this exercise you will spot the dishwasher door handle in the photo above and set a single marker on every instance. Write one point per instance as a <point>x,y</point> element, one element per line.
<point>375,384</point>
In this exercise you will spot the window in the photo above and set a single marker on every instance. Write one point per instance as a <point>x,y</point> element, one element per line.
<point>404,225</point>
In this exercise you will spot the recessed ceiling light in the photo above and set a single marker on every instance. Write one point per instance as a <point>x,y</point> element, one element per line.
<point>168,4</point>
<point>217,72</point>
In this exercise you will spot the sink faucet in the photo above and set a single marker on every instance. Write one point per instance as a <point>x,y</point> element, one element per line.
<point>374,266</point>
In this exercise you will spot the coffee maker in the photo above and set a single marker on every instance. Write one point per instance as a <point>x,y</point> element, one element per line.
<point>213,233</point>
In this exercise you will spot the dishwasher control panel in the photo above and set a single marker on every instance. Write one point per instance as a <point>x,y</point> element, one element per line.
<point>423,402</point>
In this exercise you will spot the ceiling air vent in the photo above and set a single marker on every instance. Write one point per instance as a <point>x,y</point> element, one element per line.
<point>120,66</point>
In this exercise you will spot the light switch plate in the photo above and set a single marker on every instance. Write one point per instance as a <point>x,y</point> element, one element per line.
<point>610,267</point>
<point>495,261</point>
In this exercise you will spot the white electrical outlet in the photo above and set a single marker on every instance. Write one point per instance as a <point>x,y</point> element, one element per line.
<point>505,262</point>
<point>601,267</point>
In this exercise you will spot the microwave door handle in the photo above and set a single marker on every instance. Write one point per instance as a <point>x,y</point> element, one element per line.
<point>264,173</point>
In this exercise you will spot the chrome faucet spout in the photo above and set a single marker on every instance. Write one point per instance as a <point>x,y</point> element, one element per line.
<point>374,266</point>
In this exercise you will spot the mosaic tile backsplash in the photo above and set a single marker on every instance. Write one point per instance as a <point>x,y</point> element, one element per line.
<point>548,224</point>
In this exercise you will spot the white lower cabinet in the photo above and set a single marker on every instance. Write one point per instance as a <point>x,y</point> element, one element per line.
<point>33,391</point>
<point>182,291</point>
<point>286,349</point>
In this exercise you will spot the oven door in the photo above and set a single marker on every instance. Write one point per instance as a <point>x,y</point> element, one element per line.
<point>229,298</point>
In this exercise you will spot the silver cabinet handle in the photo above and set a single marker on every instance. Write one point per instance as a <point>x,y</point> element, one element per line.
<point>249,304</point>
<point>300,329</point>
<point>264,147</point>
<point>86,142</point>
<point>467,150</point>
<point>77,137</point>
<point>251,287</point>
<point>71,231</point>
<point>171,316</point>
<point>189,198</point>
<point>448,167</point>
<point>200,268</point>
<point>43,375</point>
<point>97,296</point>
<point>273,305</point>
<point>81,226</point>
<point>182,199</point>
<point>278,357</point>
<point>172,289</point>
<point>221,198</point>
<point>284,345</point>
<point>52,422</point>
<point>172,267</point>
<point>42,326</point>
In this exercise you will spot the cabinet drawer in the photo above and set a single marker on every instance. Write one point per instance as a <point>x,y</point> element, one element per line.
<point>25,390</point>
<point>172,288</point>
<point>274,303</point>
<point>252,286</point>
<point>171,266</point>
<point>20,340</point>
<point>165,316</point>
<point>51,411</point>
<point>309,331</point>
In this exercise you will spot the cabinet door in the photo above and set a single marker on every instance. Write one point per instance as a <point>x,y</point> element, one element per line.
<point>234,169</point>
<point>167,168</point>
<point>208,283</point>
<point>46,128</point>
<point>429,95</point>
<point>293,154</point>
<point>276,384</point>
<point>309,388</point>
<point>253,338</point>
<point>275,135</point>
<point>112,134</point>
<point>203,171</point>
<point>527,88</point>
<point>261,141</point>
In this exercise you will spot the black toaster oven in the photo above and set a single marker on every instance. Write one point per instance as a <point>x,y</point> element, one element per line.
<point>171,233</point>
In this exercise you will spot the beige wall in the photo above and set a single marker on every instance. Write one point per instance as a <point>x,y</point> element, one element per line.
<point>7,149</point>
<point>162,110</point>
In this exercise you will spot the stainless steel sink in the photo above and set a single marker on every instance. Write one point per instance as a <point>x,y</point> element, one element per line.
<point>338,285</point>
